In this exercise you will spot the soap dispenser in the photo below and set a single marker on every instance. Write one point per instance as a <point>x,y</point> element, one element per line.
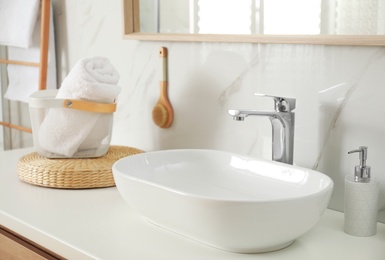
<point>361,196</point>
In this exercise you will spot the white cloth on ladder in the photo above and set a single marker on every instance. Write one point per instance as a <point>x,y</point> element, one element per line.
<point>17,22</point>
<point>24,80</point>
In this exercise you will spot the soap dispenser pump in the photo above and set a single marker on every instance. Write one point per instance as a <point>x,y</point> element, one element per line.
<point>361,196</point>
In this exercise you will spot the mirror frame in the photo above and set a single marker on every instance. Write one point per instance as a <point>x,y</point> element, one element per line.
<point>131,31</point>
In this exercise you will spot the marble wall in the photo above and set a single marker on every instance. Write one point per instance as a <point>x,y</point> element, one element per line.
<point>339,92</point>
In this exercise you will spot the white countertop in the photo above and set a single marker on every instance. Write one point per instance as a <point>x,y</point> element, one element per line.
<point>98,224</point>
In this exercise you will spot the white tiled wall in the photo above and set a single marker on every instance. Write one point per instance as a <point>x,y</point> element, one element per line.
<point>339,92</point>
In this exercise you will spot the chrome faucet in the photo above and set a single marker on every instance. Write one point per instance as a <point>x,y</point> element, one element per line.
<point>282,121</point>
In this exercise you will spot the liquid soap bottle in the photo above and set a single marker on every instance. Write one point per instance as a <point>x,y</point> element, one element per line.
<point>361,196</point>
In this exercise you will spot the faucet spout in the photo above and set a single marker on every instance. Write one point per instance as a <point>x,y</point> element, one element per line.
<point>282,123</point>
<point>237,115</point>
<point>240,115</point>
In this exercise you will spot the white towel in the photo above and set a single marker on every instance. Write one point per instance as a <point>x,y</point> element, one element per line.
<point>24,80</point>
<point>66,131</point>
<point>17,22</point>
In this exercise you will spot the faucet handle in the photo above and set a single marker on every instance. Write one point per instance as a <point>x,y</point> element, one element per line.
<point>281,104</point>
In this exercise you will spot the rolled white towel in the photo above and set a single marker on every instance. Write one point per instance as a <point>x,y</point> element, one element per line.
<point>66,131</point>
<point>91,79</point>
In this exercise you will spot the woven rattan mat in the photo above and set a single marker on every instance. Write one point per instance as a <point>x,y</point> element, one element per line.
<point>72,173</point>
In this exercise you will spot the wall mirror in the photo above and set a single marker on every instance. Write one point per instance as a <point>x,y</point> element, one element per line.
<point>330,22</point>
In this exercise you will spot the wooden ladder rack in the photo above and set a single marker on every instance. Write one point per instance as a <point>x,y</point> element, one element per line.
<point>43,64</point>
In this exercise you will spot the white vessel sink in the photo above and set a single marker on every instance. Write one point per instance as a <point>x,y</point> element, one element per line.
<point>224,200</point>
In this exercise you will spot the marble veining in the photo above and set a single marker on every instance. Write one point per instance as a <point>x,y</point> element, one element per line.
<point>236,85</point>
<point>354,84</point>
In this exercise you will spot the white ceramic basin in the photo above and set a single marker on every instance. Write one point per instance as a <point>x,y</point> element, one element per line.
<point>224,200</point>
